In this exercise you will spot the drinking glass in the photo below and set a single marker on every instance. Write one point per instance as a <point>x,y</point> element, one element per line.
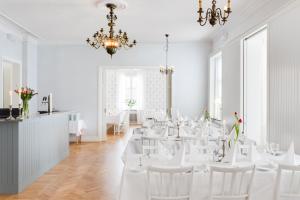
<point>274,148</point>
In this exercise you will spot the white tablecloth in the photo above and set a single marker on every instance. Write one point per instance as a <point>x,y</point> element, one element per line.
<point>134,179</point>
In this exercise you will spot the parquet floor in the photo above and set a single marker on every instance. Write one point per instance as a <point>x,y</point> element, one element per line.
<point>91,172</point>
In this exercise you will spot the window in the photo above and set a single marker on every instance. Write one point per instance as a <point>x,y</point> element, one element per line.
<point>130,88</point>
<point>255,86</point>
<point>215,87</point>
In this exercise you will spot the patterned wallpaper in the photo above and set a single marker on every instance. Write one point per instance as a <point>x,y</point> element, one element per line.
<point>154,90</point>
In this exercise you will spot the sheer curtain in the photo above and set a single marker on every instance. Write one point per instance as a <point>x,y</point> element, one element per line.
<point>255,86</point>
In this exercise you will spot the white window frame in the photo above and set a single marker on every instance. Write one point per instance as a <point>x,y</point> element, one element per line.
<point>243,92</point>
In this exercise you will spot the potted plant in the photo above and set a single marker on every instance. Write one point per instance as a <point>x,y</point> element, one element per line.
<point>131,103</point>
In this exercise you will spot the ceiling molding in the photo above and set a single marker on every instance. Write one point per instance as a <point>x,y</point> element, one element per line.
<point>14,30</point>
<point>262,16</point>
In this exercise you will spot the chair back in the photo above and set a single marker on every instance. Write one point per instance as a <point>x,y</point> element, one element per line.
<point>169,183</point>
<point>150,145</point>
<point>287,183</point>
<point>121,117</point>
<point>230,182</point>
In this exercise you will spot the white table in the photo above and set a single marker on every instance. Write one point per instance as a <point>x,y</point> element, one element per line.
<point>134,179</point>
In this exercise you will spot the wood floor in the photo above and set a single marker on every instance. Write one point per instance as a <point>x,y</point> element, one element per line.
<point>91,172</point>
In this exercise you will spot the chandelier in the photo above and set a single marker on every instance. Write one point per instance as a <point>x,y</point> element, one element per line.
<point>214,15</point>
<point>168,72</point>
<point>167,69</point>
<point>111,41</point>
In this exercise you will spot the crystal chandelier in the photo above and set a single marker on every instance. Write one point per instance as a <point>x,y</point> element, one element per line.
<point>111,41</point>
<point>168,72</point>
<point>214,15</point>
<point>167,69</point>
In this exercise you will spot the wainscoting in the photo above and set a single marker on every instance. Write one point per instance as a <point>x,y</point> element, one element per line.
<point>284,79</point>
<point>30,148</point>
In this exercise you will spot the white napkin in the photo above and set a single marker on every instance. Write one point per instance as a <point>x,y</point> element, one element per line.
<point>179,157</point>
<point>184,131</point>
<point>289,157</point>
<point>150,132</point>
<point>253,154</point>
<point>148,124</point>
<point>166,132</point>
<point>230,157</point>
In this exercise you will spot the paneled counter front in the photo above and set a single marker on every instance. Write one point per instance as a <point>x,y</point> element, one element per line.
<point>31,147</point>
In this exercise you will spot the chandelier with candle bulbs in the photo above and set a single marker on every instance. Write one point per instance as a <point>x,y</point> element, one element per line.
<point>167,69</point>
<point>214,14</point>
<point>111,41</point>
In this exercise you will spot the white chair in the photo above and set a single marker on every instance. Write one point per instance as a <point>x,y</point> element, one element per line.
<point>287,183</point>
<point>235,182</point>
<point>169,183</point>
<point>120,122</point>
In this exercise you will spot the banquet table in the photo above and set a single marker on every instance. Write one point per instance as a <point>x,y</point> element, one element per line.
<point>134,179</point>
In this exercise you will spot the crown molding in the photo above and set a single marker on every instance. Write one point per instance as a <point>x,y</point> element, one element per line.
<point>15,31</point>
<point>260,16</point>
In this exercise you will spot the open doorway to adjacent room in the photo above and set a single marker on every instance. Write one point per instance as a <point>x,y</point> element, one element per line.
<point>130,95</point>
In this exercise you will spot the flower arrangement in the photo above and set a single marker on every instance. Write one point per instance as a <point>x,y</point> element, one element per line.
<point>26,94</point>
<point>131,103</point>
<point>236,125</point>
<point>207,116</point>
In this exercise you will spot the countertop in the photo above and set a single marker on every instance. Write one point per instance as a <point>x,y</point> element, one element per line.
<point>34,116</point>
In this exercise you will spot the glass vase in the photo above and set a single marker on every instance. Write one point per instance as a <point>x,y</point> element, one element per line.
<point>25,109</point>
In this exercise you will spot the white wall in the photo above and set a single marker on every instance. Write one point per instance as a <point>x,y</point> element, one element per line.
<point>70,72</point>
<point>284,76</point>
<point>30,69</point>
<point>231,80</point>
<point>18,45</point>
<point>9,49</point>
<point>283,72</point>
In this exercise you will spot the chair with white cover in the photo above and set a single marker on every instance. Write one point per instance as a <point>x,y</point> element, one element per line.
<point>287,183</point>
<point>230,182</point>
<point>169,183</point>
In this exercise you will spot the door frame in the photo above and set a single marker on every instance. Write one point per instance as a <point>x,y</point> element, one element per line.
<point>102,134</point>
<point>14,61</point>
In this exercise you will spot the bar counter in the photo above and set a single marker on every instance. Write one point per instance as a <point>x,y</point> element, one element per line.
<point>31,147</point>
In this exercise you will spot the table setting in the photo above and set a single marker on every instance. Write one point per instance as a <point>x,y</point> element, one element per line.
<point>201,144</point>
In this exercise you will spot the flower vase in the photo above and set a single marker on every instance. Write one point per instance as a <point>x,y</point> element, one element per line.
<point>237,132</point>
<point>25,108</point>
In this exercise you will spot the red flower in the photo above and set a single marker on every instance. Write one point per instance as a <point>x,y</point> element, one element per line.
<point>235,113</point>
<point>240,120</point>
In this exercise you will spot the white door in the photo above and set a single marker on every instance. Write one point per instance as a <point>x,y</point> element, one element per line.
<point>255,86</point>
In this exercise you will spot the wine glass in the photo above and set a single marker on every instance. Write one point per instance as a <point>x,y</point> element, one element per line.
<point>274,148</point>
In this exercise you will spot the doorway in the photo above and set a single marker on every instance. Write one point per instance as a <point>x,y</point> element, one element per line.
<point>12,80</point>
<point>129,95</point>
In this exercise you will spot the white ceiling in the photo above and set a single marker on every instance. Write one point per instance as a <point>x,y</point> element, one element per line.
<point>72,21</point>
